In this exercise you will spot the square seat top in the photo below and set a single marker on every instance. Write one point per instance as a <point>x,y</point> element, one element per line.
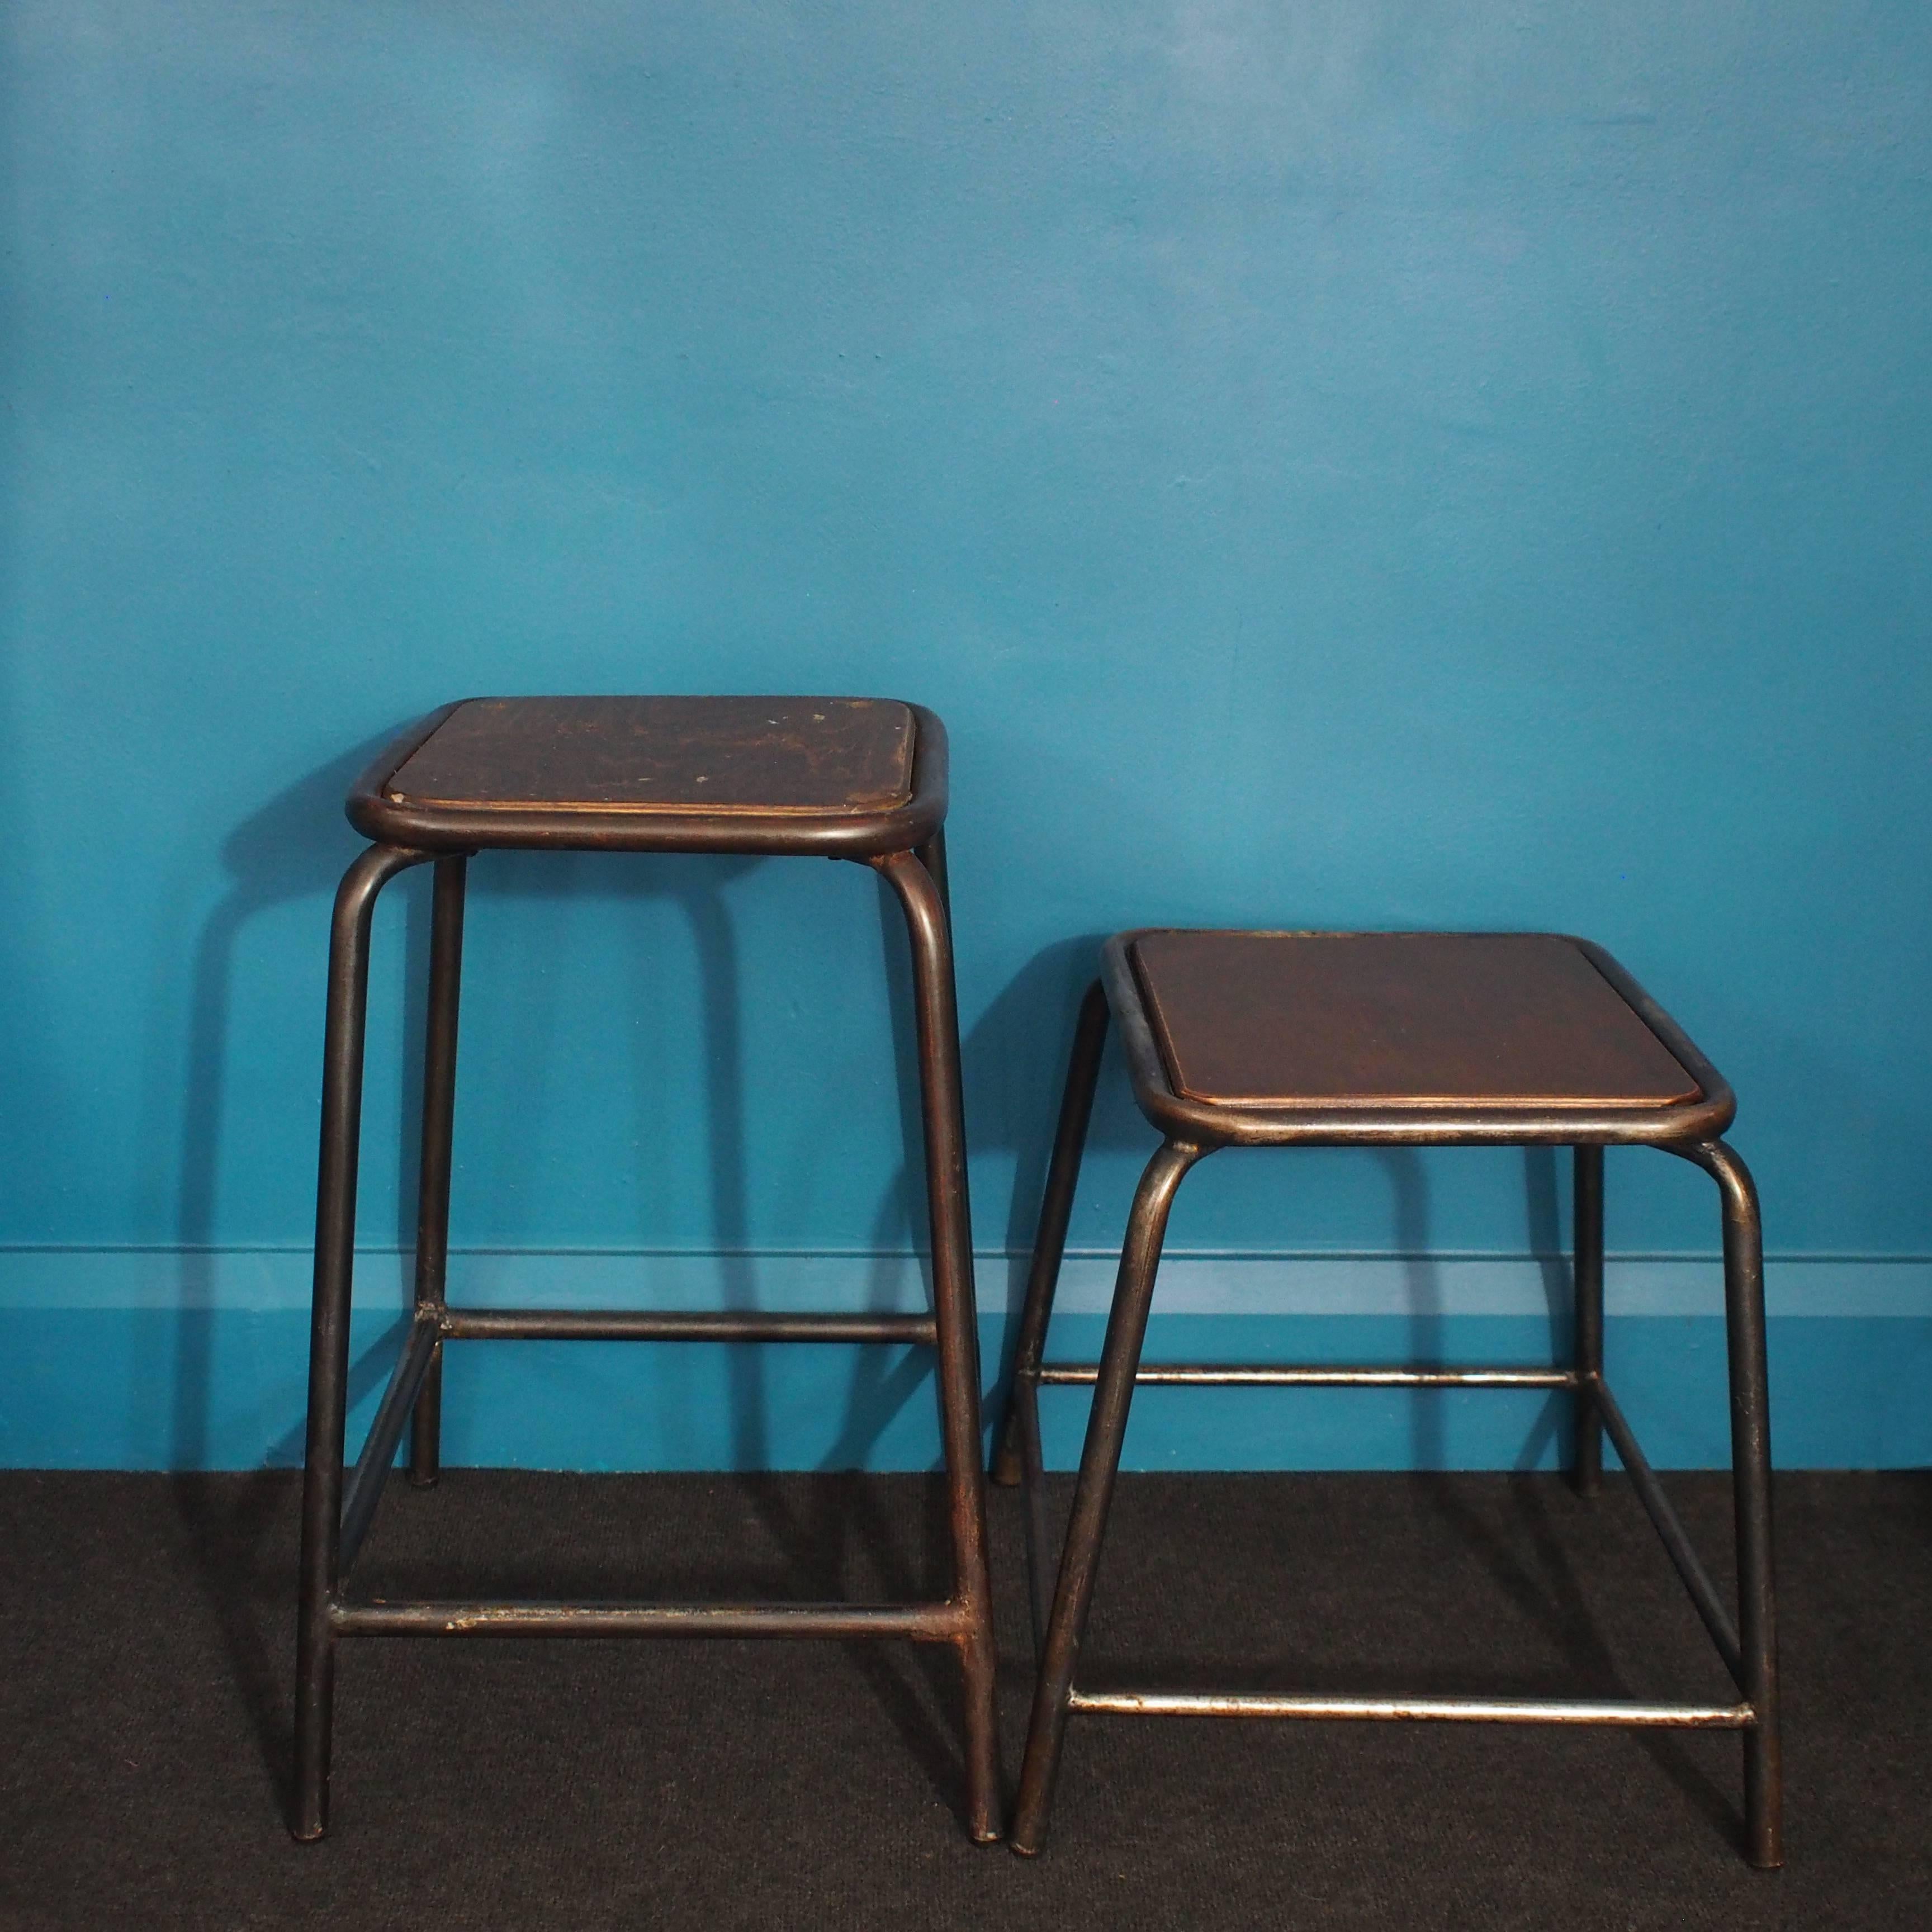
<point>822,756</point>
<point>1428,1022</point>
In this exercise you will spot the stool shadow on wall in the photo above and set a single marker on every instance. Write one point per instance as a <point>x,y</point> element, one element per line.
<point>293,849</point>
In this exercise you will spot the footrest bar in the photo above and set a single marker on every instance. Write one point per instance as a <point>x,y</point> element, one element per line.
<point>1657,1505</point>
<point>931,1623</point>
<point>634,1324</point>
<point>1453,1710</point>
<point>1281,1375</point>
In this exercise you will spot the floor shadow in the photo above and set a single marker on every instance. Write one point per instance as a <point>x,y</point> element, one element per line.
<point>1545,1588</point>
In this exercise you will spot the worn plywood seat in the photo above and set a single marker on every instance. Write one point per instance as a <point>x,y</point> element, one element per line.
<point>1405,1020</point>
<point>848,777</point>
<point>848,755</point>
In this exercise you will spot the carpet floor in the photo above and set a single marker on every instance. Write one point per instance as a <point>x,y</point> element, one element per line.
<point>146,1641</point>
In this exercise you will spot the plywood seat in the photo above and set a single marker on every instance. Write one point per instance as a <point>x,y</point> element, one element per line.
<point>790,754</point>
<point>1418,1020</point>
<point>850,777</point>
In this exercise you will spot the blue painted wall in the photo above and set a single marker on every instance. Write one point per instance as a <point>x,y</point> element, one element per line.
<point>1358,464</point>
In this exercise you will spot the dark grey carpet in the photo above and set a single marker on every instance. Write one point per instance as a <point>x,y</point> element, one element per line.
<point>145,1648</point>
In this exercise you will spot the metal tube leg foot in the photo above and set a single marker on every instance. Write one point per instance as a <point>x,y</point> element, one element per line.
<point>1750,1481</point>
<point>329,1331</point>
<point>1099,1464</point>
<point>955,1316</point>
<point>1586,1468</point>
<point>438,1120</point>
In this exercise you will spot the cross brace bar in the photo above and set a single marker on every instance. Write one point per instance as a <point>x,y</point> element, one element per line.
<point>931,1623</point>
<point>1696,1579</point>
<point>1670,1532</point>
<point>1286,1375</point>
<point>379,1451</point>
<point>637,1324</point>
<point>1462,1710</point>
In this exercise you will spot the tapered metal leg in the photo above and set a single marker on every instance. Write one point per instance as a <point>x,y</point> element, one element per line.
<point>328,1332</point>
<point>1586,1467</point>
<point>1750,1481</point>
<point>956,1314</point>
<point>1056,1212</point>
<point>1019,1459</point>
<point>1099,1465</point>
<point>438,1120</point>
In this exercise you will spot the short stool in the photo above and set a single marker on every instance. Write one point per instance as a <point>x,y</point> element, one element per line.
<point>832,778</point>
<point>1327,1038</point>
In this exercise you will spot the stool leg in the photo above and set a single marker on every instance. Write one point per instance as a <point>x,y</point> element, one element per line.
<point>1019,1457</point>
<point>328,1331</point>
<point>1099,1464</point>
<point>955,1316</point>
<point>438,1120</point>
<point>1750,1479</point>
<point>1586,1469</point>
<point>932,855</point>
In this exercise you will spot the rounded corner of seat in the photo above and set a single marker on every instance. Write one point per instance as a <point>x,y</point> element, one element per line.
<point>369,807</point>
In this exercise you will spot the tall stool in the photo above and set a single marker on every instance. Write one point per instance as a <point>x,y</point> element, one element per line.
<point>833,778</point>
<point>1326,1039</point>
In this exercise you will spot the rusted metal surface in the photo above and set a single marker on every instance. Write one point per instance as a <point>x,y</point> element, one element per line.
<point>1593,1114</point>
<point>869,786</point>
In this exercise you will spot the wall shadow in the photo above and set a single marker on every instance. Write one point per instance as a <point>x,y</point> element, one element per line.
<point>294,847</point>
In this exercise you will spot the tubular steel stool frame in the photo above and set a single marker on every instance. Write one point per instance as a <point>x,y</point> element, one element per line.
<point>903,841</point>
<point>1194,1129</point>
